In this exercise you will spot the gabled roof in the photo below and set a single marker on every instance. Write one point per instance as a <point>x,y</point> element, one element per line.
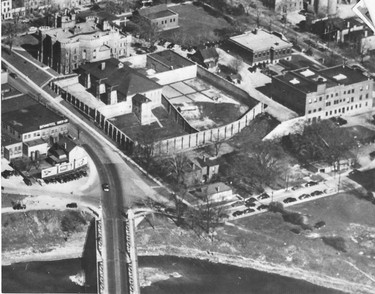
<point>208,53</point>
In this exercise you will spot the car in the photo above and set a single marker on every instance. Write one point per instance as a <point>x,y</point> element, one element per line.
<point>262,207</point>
<point>105,187</point>
<point>354,172</point>
<point>316,193</point>
<point>319,225</point>
<point>71,205</point>
<point>13,75</point>
<point>27,181</point>
<point>250,200</point>
<point>294,188</point>
<point>170,46</point>
<point>304,196</point>
<point>311,183</point>
<point>289,200</point>
<point>339,121</point>
<point>250,204</point>
<point>263,196</point>
<point>237,213</point>
<point>249,210</point>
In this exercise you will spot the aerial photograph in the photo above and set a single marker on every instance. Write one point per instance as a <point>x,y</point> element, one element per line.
<point>188,147</point>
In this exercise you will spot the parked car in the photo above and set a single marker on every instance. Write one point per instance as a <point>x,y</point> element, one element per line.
<point>311,183</point>
<point>249,210</point>
<point>237,213</point>
<point>250,200</point>
<point>105,187</point>
<point>262,207</point>
<point>170,46</point>
<point>294,188</point>
<point>319,225</point>
<point>354,172</point>
<point>27,182</point>
<point>339,121</point>
<point>19,206</point>
<point>289,200</point>
<point>250,204</point>
<point>304,196</point>
<point>263,196</point>
<point>316,193</point>
<point>72,205</point>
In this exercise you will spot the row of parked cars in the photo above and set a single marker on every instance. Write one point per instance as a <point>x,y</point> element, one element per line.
<point>303,196</point>
<point>67,178</point>
<point>6,174</point>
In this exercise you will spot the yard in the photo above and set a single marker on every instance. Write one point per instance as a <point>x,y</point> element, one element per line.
<point>196,25</point>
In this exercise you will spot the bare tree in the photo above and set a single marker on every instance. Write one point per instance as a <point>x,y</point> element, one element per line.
<point>236,64</point>
<point>177,165</point>
<point>144,150</point>
<point>217,143</point>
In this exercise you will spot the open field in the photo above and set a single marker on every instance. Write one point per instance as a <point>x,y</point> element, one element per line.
<point>196,25</point>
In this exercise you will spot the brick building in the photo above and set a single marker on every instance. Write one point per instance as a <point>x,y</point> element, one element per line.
<point>28,127</point>
<point>260,46</point>
<point>321,94</point>
<point>71,44</point>
<point>159,15</point>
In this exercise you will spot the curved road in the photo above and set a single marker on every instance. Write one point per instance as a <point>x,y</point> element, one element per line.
<point>126,187</point>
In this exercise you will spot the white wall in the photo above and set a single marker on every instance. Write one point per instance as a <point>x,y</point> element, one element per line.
<point>175,75</point>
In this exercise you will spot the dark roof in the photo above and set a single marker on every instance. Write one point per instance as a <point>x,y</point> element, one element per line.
<point>126,80</point>
<point>352,76</point>
<point>25,116</point>
<point>208,162</point>
<point>157,11</point>
<point>65,143</point>
<point>8,140</point>
<point>171,59</point>
<point>160,14</point>
<point>208,53</point>
<point>140,98</point>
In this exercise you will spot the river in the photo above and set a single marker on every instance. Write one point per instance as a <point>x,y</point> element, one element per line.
<point>196,277</point>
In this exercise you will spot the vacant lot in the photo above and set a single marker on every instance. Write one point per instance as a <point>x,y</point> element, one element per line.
<point>196,25</point>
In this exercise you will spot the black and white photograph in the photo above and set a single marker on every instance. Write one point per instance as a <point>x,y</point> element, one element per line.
<point>188,146</point>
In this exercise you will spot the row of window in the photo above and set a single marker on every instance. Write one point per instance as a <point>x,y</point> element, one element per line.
<point>166,21</point>
<point>44,133</point>
<point>339,110</point>
<point>336,94</point>
<point>266,53</point>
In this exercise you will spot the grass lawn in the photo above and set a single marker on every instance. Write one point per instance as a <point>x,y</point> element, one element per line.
<point>345,216</point>
<point>196,24</point>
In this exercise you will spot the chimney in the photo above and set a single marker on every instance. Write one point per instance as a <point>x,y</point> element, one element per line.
<point>102,66</point>
<point>217,189</point>
<point>65,145</point>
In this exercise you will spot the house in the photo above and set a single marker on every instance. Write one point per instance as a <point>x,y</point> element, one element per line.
<point>284,6</point>
<point>206,57</point>
<point>345,163</point>
<point>260,46</point>
<point>160,16</point>
<point>63,156</point>
<point>72,44</point>
<point>121,88</point>
<point>200,170</point>
<point>28,127</point>
<point>321,94</point>
<point>213,193</point>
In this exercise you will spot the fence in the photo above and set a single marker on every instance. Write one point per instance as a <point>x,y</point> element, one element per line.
<point>123,141</point>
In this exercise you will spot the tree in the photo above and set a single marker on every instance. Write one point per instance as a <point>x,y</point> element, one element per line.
<point>217,143</point>
<point>147,30</point>
<point>146,141</point>
<point>236,64</point>
<point>177,165</point>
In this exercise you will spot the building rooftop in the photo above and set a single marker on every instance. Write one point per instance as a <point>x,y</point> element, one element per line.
<point>25,115</point>
<point>114,73</point>
<point>8,140</point>
<point>155,12</point>
<point>159,14</point>
<point>343,75</point>
<point>171,59</point>
<point>259,41</point>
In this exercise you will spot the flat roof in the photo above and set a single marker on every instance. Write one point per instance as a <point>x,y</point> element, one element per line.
<point>24,116</point>
<point>7,140</point>
<point>160,14</point>
<point>171,59</point>
<point>344,74</point>
<point>259,41</point>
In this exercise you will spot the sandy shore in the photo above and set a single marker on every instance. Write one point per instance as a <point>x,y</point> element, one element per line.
<point>283,270</point>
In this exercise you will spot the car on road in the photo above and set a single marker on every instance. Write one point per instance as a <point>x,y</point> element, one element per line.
<point>262,207</point>
<point>289,200</point>
<point>237,213</point>
<point>170,46</point>
<point>316,193</point>
<point>296,187</point>
<point>250,200</point>
<point>13,75</point>
<point>249,210</point>
<point>71,205</point>
<point>311,183</point>
<point>105,187</point>
<point>339,121</point>
<point>319,225</point>
<point>263,196</point>
<point>304,196</point>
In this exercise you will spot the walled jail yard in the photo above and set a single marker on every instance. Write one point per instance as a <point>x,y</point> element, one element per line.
<point>203,105</point>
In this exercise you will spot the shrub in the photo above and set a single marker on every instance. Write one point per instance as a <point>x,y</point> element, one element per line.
<point>336,242</point>
<point>293,218</point>
<point>276,207</point>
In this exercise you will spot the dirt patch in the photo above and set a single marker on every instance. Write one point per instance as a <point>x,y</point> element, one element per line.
<point>33,232</point>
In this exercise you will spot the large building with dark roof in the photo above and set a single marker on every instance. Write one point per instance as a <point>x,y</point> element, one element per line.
<point>28,127</point>
<point>321,94</point>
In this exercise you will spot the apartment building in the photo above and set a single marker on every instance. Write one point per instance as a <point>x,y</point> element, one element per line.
<point>6,9</point>
<point>71,44</point>
<point>260,46</point>
<point>321,94</point>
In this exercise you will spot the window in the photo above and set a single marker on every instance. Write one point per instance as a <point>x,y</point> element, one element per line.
<point>326,113</point>
<point>337,94</point>
<point>360,97</point>
<point>314,110</point>
<point>328,104</point>
<point>366,95</point>
<point>320,98</point>
<point>315,99</point>
<point>330,113</point>
<point>319,109</point>
<point>352,99</point>
<point>344,92</point>
<point>335,111</point>
<point>327,96</point>
<point>310,101</point>
<point>331,95</point>
<point>352,90</point>
<point>309,112</point>
<point>367,87</point>
<point>361,88</point>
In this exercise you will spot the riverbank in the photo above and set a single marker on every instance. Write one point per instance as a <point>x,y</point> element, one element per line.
<point>239,261</point>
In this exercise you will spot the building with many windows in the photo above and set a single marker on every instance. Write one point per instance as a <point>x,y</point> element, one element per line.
<point>321,94</point>
<point>6,9</point>
<point>28,127</point>
<point>159,15</point>
<point>260,46</point>
<point>71,44</point>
